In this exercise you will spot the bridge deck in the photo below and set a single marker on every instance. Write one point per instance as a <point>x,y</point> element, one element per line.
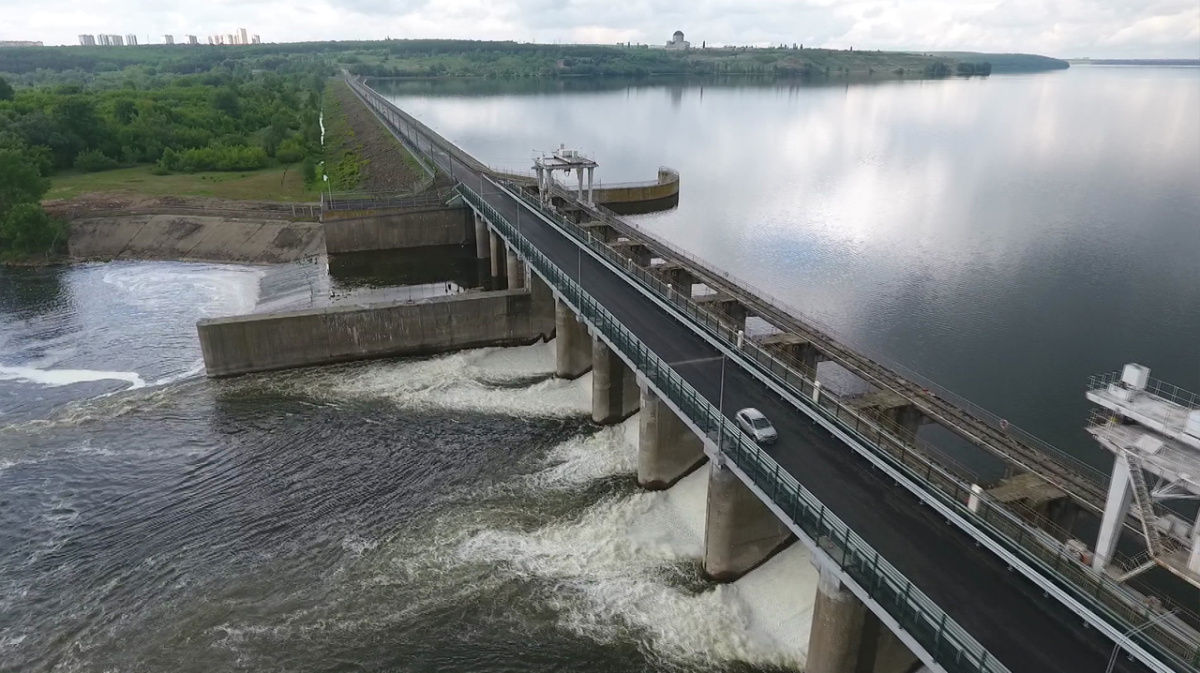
<point>1078,480</point>
<point>1028,631</point>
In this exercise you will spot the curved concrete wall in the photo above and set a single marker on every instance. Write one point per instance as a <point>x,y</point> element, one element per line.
<point>664,188</point>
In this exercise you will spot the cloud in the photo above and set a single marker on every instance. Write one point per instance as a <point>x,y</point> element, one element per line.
<point>1098,28</point>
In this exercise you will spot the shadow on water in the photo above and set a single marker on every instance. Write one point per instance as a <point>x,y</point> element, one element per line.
<point>418,266</point>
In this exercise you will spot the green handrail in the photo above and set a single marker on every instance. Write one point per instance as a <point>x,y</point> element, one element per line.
<point>946,642</point>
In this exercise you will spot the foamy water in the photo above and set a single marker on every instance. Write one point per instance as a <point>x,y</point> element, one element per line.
<point>66,377</point>
<point>626,566</point>
<point>567,533</point>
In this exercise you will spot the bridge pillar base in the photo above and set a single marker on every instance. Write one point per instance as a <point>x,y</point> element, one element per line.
<point>615,394</point>
<point>908,417</point>
<point>481,238</point>
<point>514,270</point>
<point>847,638</point>
<point>497,257</point>
<point>844,633</point>
<point>740,532</point>
<point>668,450</point>
<point>572,344</point>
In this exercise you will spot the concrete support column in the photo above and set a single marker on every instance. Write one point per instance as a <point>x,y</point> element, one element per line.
<point>736,312</point>
<point>514,270</point>
<point>498,261</point>
<point>615,394</point>
<point>1116,507</point>
<point>844,633</point>
<point>740,532</point>
<point>668,450</point>
<point>481,238</point>
<point>542,311</point>
<point>572,343</point>
<point>908,417</point>
<point>591,172</point>
<point>579,174</point>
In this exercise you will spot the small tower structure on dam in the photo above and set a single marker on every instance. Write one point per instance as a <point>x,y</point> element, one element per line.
<point>1152,428</point>
<point>563,159</point>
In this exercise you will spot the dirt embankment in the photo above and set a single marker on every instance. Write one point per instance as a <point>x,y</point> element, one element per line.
<point>384,164</point>
<point>194,237</point>
<point>131,226</point>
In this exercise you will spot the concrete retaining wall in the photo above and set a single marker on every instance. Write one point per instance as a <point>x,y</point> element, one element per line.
<point>193,237</point>
<point>393,231</point>
<point>256,343</point>
<point>665,188</point>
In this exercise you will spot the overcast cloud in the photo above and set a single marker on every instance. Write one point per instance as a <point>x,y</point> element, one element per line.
<point>1065,28</point>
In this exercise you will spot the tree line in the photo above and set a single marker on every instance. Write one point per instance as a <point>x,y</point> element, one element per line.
<point>235,116</point>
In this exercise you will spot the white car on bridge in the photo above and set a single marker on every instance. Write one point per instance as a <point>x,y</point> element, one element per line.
<point>753,423</point>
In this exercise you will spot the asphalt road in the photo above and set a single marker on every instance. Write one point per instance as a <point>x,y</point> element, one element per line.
<point>1026,630</point>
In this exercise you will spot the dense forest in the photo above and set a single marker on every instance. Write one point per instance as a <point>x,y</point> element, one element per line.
<point>469,58</point>
<point>237,115</point>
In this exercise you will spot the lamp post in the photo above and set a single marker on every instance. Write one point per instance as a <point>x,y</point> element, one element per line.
<point>721,406</point>
<point>1112,660</point>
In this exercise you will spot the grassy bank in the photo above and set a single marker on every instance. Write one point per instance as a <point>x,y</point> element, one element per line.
<point>360,154</point>
<point>268,184</point>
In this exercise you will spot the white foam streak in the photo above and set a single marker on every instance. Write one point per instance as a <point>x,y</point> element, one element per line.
<point>614,565</point>
<point>477,380</point>
<point>66,377</point>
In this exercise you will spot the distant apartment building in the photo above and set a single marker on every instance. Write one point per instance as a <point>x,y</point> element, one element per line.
<point>87,40</point>
<point>168,39</point>
<point>131,40</point>
<point>256,40</point>
<point>231,38</point>
<point>110,40</point>
<point>20,43</point>
<point>242,38</point>
<point>192,39</point>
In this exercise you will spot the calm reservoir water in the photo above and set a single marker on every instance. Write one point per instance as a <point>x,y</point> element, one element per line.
<point>1006,237</point>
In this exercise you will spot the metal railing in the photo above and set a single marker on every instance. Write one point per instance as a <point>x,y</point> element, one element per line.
<point>1117,602</point>
<point>671,173</point>
<point>947,642</point>
<point>950,483</point>
<point>1160,389</point>
<point>837,350</point>
<point>351,201</point>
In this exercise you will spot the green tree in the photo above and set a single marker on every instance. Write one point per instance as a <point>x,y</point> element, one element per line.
<point>308,171</point>
<point>124,110</point>
<point>26,229</point>
<point>225,100</point>
<point>6,90</point>
<point>20,181</point>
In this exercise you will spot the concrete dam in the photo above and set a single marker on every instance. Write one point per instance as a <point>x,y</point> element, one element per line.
<point>917,567</point>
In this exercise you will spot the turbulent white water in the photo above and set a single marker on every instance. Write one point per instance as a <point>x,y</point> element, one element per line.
<point>565,534</point>
<point>66,377</point>
<point>618,563</point>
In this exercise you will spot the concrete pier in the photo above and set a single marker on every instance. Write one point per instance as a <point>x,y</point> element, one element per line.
<point>847,638</point>
<point>498,262</point>
<point>514,269</point>
<point>740,532</point>
<point>906,416</point>
<point>572,343</point>
<point>615,394</point>
<point>668,450</point>
<point>359,232</point>
<point>265,342</point>
<point>481,238</point>
<point>844,633</point>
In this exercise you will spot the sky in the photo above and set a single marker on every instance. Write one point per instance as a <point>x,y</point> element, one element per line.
<point>1062,28</point>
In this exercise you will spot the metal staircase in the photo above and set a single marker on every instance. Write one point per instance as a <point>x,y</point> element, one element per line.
<point>1143,504</point>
